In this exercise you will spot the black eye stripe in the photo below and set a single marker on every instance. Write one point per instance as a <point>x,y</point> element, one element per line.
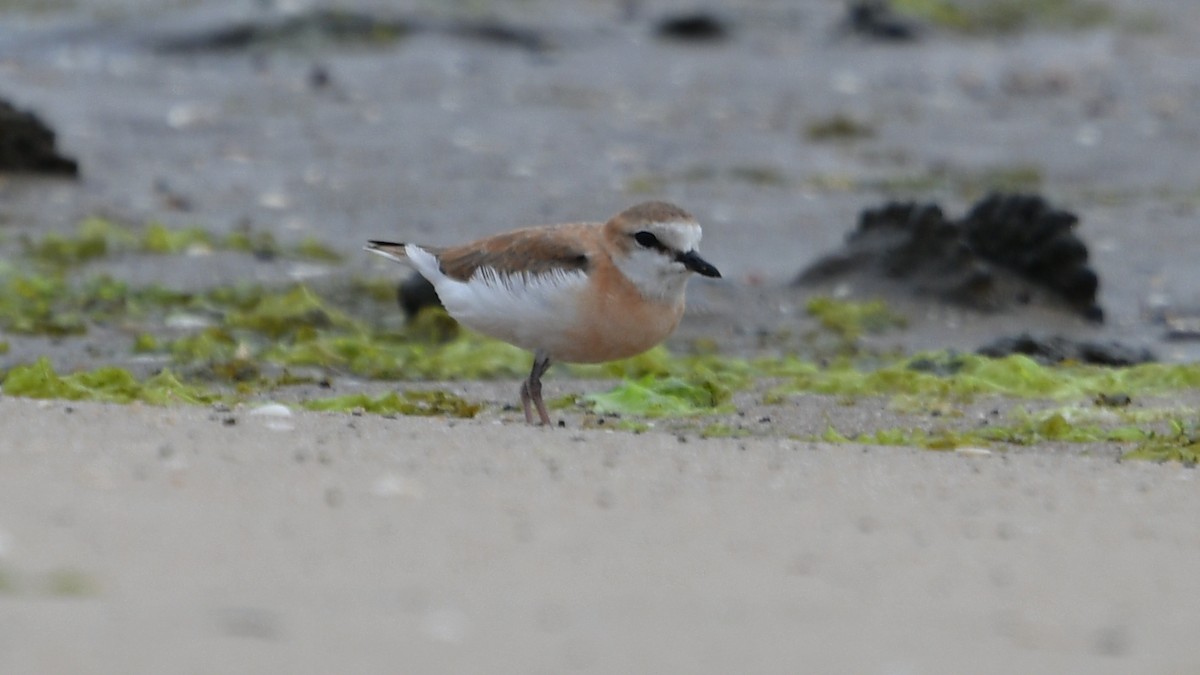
<point>648,240</point>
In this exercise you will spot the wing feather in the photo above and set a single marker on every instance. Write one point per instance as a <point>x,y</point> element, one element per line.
<point>527,252</point>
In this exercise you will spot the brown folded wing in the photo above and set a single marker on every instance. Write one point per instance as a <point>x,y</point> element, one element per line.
<point>530,251</point>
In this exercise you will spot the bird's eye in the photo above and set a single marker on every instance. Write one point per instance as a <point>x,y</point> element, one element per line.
<point>647,239</point>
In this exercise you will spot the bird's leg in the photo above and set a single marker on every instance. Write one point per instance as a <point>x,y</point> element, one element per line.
<point>535,392</point>
<point>525,401</point>
<point>531,390</point>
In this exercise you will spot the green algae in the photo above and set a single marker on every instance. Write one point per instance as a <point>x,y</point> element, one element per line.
<point>209,345</point>
<point>1020,377</point>
<point>288,314</point>
<point>839,127</point>
<point>92,241</point>
<point>659,363</point>
<point>296,327</point>
<point>392,357</point>
<point>1038,428</point>
<point>162,240</point>
<point>248,334</point>
<point>631,426</point>
<point>966,182</point>
<point>432,324</point>
<point>49,304</point>
<point>54,305</point>
<point>33,305</point>
<point>260,244</point>
<point>1068,424</point>
<point>1007,16</point>
<point>850,320</point>
<point>964,376</point>
<point>313,249</point>
<point>653,396</point>
<point>377,290</point>
<point>106,384</point>
<point>419,403</point>
<point>750,174</point>
<point>145,343</point>
<point>944,438</point>
<point>1180,443</point>
<point>1076,424</point>
<point>96,238</point>
<point>720,430</point>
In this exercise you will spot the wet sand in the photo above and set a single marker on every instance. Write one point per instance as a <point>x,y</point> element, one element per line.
<point>141,539</point>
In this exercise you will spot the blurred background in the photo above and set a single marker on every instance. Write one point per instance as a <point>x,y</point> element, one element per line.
<point>776,123</point>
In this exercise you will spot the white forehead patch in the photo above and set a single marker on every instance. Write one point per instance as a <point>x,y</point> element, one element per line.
<point>682,236</point>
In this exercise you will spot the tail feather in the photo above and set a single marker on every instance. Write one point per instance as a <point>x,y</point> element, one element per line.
<point>388,249</point>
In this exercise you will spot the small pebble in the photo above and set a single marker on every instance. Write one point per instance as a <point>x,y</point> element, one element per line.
<point>272,410</point>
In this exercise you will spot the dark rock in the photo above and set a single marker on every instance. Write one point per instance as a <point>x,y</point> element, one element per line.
<point>316,25</point>
<point>416,293</point>
<point>28,145</point>
<point>942,365</point>
<point>913,243</point>
<point>500,34</point>
<point>1057,349</point>
<point>875,19</point>
<point>1008,251</point>
<point>692,27</point>
<point>326,26</point>
<point>319,77</point>
<point>1025,234</point>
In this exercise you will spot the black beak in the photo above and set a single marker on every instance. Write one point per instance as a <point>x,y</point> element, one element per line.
<point>695,263</point>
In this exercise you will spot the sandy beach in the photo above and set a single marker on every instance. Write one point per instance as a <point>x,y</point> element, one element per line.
<point>169,540</point>
<point>262,538</point>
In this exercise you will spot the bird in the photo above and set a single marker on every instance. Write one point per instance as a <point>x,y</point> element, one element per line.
<point>575,292</point>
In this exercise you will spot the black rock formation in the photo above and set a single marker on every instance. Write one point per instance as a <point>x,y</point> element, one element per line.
<point>692,27</point>
<point>343,27</point>
<point>1006,250</point>
<point>416,293</point>
<point>876,20</point>
<point>28,145</point>
<point>1057,349</point>
<point>1027,235</point>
